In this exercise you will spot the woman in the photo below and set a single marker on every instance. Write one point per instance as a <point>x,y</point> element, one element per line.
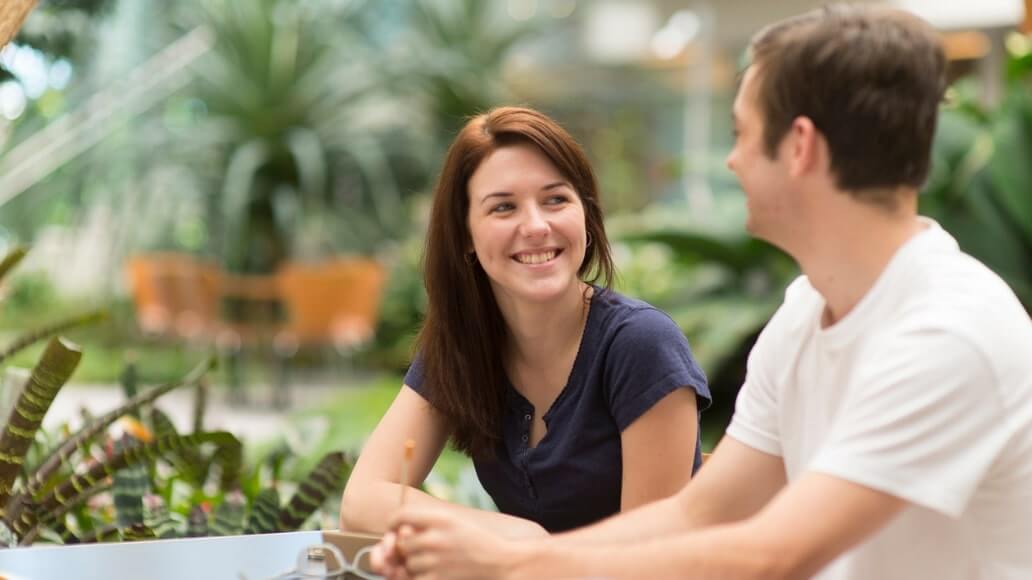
<point>573,401</point>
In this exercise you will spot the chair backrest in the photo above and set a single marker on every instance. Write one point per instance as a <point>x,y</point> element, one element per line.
<point>336,301</point>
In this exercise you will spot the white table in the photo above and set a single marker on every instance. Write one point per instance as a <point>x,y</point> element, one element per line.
<point>257,557</point>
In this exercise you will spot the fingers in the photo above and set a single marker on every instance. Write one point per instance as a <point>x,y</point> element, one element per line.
<point>419,565</point>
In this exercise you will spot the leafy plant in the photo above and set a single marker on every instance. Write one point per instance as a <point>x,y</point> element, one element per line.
<point>35,498</point>
<point>982,175</point>
<point>299,163</point>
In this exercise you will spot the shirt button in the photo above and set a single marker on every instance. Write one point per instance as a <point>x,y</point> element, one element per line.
<point>525,437</point>
<point>527,417</point>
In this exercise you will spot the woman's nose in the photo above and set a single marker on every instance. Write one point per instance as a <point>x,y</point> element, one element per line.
<point>534,223</point>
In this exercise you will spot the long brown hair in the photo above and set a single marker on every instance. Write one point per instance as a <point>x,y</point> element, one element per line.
<point>464,336</point>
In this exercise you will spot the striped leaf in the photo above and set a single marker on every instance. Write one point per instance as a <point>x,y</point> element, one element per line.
<point>197,523</point>
<point>130,484</point>
<point>26,340</point>
<point>62,455</point>
<point>200,406</point>
<point>228,519</point>
<point>190,464</point>
<point>128,380</point>
<point>138,531</point>
<point>64,496</point>
<point>109,533</point>
<point>327,479</point>
<point>264,517</point>
<point>156,516</point>
<point>55,366</point>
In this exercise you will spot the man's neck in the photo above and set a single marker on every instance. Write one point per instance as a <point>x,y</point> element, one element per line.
<point>850,248</point>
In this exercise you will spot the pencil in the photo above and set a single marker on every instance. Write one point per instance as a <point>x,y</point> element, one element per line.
<point>410,447</point>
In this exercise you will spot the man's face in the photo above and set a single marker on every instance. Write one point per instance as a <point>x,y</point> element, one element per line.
<point>764,180</point>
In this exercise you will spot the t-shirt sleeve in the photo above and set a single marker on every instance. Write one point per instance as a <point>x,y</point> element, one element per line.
<point>648,359</point>
<point>923,422</point>
<point>755,421</point>
<point>414,376</point>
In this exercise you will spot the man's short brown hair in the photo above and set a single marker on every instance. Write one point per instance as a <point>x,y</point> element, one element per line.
<point>869,78</point>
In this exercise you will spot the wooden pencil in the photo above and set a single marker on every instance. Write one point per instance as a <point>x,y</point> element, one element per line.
<point>410,447</point>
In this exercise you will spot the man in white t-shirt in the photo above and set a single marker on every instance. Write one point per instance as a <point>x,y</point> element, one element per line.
<point>884,430</point>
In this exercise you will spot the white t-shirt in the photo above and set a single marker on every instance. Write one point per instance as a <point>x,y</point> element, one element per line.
<point>923,391</point>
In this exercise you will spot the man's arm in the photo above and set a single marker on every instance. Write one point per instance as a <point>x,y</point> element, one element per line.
<point>736,482</point>
<point>804,528</point>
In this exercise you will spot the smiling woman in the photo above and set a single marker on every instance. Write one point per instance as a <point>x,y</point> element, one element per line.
<point>562,391</point>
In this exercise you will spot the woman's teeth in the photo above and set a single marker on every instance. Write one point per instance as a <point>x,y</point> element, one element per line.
<point>540,258</point>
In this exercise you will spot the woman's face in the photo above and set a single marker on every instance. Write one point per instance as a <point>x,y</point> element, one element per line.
<point>527,225</point>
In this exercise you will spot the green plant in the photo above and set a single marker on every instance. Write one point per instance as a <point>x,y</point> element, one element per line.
<point>292,137</point>
<point>34,498</point>
<point>982,175</point>
<point>719,284</point>
<point>456,56</point>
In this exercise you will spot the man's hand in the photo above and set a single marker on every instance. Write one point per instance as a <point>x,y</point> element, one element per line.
<point>430,543</point>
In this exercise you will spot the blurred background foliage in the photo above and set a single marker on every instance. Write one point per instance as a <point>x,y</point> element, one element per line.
<point>298,130</point>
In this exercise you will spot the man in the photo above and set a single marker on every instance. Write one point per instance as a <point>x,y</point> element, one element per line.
<point>885,426</point>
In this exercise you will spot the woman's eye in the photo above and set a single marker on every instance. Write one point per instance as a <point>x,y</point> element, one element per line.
<point>558,199</point>
<point>502,207</point>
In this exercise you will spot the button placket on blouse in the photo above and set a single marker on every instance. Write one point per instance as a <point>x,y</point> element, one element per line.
<point>527,418</point>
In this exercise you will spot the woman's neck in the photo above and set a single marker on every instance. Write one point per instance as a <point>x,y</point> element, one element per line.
<point>540,331</point>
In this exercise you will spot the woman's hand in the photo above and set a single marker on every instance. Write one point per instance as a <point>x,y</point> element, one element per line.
<point>432,543</point>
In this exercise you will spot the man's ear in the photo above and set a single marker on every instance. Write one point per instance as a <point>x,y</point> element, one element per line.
<point>807,147</point>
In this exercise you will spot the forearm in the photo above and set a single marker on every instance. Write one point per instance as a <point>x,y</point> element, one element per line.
<point>369,507</point>
<point>651,520</point>
<point>729,551</point>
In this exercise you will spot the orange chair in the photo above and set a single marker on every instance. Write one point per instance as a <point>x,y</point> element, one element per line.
<point>335,302</point>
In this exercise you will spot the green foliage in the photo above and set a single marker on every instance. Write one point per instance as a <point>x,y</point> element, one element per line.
<point>717,283</point>
<point>458,51</point>
<point>297,166</point>
<point>982,175</point>
<point>265,513</point>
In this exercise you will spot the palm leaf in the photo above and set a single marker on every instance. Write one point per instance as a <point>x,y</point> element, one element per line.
<point>325,480</point>
<point>35,336</point>
<point>55,366</point>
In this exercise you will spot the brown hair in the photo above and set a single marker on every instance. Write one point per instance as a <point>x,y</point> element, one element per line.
<point>464,336</point>
<point>869,78</point>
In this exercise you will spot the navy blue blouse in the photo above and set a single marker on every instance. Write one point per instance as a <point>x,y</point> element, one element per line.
<point>631,356</point>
